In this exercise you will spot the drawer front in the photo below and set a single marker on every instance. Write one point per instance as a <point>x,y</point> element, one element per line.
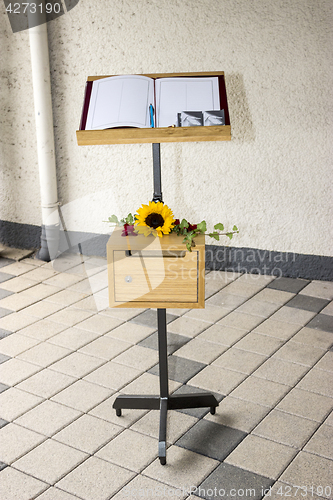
<point>155,277</point>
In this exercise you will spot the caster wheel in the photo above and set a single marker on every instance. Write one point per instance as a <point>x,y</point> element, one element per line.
<point>163,460</point>
<point>212,410</point>
<point>118,412</point>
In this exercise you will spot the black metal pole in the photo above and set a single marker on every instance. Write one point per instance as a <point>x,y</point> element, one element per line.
<point>164,383</point>
<point>163,402</point>
<point>157,196</point>
<point>163,352</point>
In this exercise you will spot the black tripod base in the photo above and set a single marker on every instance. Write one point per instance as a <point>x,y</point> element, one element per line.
<point>175,402</point>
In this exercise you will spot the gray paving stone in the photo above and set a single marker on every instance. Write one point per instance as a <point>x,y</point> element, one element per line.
<point>288,284</point>
<point>239,360</point>
<point>5,262</point>
<point>310,470</point>
<point>177,424</point>
<point>180,369</point>
<point>50,461</point>
<point>4,293</point>
<point>306,404</point>
<point>5,277</point>
<point>319,288</point>
<point>259,344</point>
<point>3,422</point>
<point>318,381</point>
<point>4,312</point>
<point>283,372</point>
<point>4,333</point>
<point>285,428</point>
<point>326,362</point>
<point>239,414</point>
<point>322,322</point>
<point>184,468</point>
<point>321,442</point>
<point>16,441</point>
<point>293,315</point>
<point>144,488</point>
<point>260,391</point>
<point>248,459</point>
<point>15,254</point>
<point>328,309</point>
<point>217,379</point>
<point>314,337</point>
<point>308,303</point>
<point>195,412</point>
<point>262,456</point>
<point>227,480</point>
<point>14,403</point>
<point>212,440</point>
<point>299,353</point>
<point>55,494</point>
<point>131,450</point>
<point>95,479</point>
<point>3,358</point>
<point>149,318</point>
<point>175,341</point>
<point>16,485</point>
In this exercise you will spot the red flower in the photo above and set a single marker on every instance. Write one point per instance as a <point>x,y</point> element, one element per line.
<point>128,230</point>
<point>191,227</point>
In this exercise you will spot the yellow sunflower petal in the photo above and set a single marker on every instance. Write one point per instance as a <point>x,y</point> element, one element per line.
<point>145,230</point>
<point>157,208</point>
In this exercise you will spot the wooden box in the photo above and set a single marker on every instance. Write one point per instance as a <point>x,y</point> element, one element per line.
<point>155,272</point>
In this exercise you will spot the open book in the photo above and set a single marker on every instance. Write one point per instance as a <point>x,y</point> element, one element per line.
<point>140,101</point>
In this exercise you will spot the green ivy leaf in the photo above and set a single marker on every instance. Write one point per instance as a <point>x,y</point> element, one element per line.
<point>188,237</point>
<point>219,226</point>
<point>189,240</point>
<point>214,235</point>
<point>230,235</point>
<point>184,224</point>
<point>113,219</point>
<point>130,219</point>
<point>235,228</point>
<point>202,226</point>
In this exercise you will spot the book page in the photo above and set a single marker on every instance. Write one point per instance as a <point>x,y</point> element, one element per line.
<point>177,94</point>
<point>120,101</point>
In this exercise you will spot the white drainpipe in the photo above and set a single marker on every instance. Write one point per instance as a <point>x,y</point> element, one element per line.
<point>45,140</point>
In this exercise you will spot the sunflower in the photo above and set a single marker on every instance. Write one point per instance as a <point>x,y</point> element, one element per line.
<point>155,218</point>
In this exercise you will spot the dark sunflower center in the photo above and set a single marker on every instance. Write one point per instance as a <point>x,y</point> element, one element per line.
<point>154,220</point>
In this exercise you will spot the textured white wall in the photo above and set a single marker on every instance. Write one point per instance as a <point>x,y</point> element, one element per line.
<point>274,179</point>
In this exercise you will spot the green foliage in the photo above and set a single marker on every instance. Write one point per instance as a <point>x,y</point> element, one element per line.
<point>214,235</point>
<point>113,220</point>
<point>184,224</point>
<point>190,231</point>
<point>128,220</point>
<point>184,228</point>
<point>202,227</point>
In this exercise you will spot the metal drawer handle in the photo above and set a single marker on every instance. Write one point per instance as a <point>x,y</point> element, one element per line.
<point>128,279</point>
<point>172,254</point>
